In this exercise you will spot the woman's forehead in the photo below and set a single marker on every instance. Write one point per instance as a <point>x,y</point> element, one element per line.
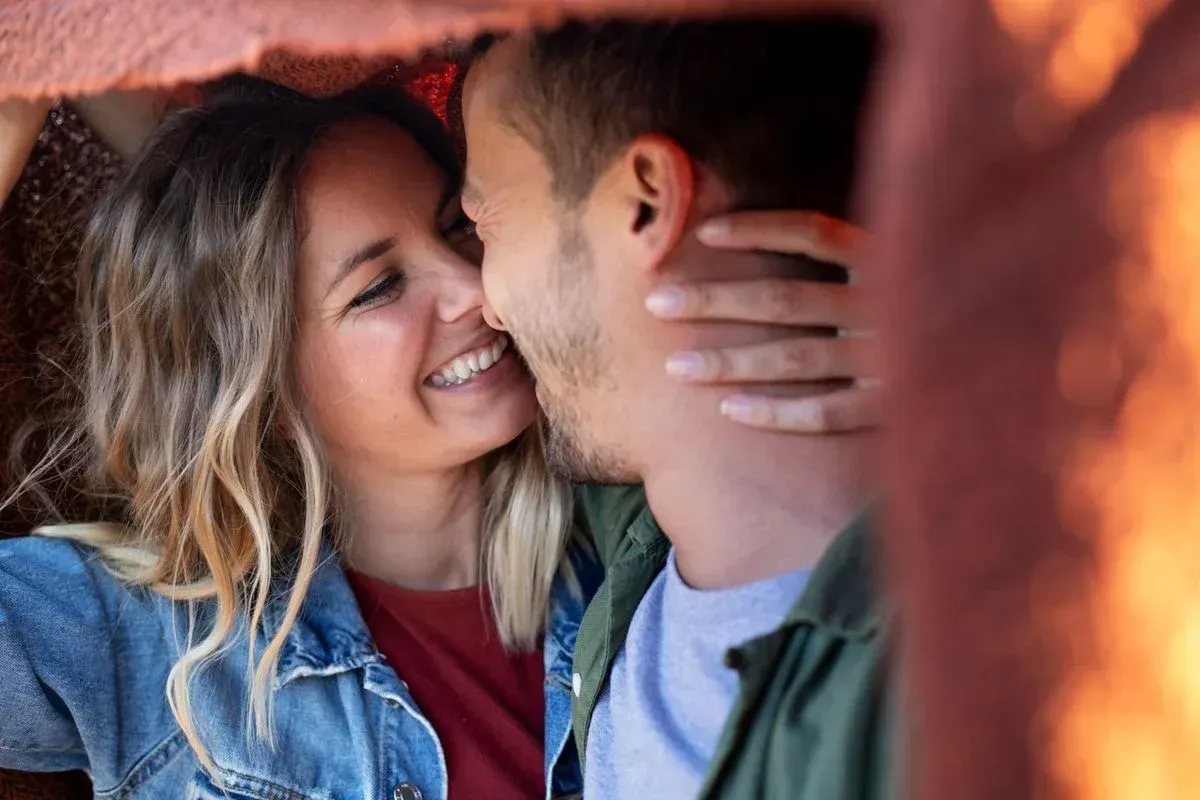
<point>370,144</point>
<point>368,164</point>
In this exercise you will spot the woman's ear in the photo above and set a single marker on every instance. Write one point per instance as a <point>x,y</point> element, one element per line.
<point>658,178</point>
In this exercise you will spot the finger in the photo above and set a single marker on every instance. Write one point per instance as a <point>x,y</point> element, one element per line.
<point>770,301</point>
<point>841,411</point>
<point>796,232</point>
<point>782,361</point>
<point>21,122</point>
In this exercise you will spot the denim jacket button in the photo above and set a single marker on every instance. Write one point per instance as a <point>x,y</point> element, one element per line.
<point>406,791</point>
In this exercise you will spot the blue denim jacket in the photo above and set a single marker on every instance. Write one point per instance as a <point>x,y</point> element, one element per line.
<point>83,668</point>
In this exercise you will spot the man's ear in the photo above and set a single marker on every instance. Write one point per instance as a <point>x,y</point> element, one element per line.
<point>659,180</point>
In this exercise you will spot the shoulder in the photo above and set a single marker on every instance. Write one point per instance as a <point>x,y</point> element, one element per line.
<point>35,553</point>
<point>85,659</point>
<point>35,564</point>
<point>64,591</point>
<point>604,514</point>
<point>55,568</point>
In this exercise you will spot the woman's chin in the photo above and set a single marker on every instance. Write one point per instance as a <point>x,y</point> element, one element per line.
<point>483,412</point>
<point>497,424</point>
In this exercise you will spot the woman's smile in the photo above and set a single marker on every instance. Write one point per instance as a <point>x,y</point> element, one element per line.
<point>467,366</point>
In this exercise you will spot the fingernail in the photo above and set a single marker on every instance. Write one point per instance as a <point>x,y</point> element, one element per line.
<point>686,365</point>
<point>741,408</point>
<point>665,302</point>
<point>714,231</point>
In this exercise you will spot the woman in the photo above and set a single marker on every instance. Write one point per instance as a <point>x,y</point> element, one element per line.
<point>333,542</point>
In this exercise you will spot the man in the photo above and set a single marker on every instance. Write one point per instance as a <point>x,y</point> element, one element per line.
<point>735,649</point>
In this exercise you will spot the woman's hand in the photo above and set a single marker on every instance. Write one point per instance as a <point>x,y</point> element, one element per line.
<point>20,123</point>
<point>795,303</point>
<point>122,119</point>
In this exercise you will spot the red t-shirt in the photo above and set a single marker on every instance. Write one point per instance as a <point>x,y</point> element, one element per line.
<point>486,704</point>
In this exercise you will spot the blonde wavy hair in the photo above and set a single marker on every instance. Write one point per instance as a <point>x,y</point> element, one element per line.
<point>187,298</point>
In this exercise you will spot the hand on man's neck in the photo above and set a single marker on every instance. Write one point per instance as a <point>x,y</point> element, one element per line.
<point>739,505</point>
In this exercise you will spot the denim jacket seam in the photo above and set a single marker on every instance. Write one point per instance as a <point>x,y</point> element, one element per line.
<point>242,781</point>
<point>24,750</point>
<point>313,668</point>
<point>147,767</point>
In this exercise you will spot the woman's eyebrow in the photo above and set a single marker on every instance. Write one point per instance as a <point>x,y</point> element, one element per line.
<point>368,252</point>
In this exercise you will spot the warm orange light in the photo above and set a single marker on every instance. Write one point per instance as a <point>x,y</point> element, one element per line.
<point>1127,723</point>
<point>1029,20</point>
<point>1101,38</point>
<point>1074,49</point>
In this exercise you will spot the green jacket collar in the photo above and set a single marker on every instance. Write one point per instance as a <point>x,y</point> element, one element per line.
<point>841,594</point>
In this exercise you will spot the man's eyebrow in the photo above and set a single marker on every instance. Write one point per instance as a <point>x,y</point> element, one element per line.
<point>368,252</point>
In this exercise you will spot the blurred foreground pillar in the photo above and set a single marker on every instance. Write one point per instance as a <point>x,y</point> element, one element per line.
<point>1037,199</point>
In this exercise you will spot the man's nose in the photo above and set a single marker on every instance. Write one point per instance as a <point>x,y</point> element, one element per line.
<point>491,317</point>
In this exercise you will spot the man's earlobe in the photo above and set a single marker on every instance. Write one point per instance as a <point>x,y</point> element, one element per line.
<point>663,188</point>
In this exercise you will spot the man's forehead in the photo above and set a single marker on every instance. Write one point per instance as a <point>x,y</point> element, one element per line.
<point>500,169</point>
<point>496,67</point>
<point>494,147</point>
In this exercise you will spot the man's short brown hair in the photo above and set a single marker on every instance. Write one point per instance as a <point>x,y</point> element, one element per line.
<point>771,106</point>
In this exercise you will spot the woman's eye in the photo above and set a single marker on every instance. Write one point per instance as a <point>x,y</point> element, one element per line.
<point>388,285</point>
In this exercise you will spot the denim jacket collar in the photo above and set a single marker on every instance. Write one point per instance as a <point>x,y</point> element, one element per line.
<point>329,635</point>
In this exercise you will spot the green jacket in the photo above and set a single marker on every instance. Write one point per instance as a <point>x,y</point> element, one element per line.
<point>812,719</point>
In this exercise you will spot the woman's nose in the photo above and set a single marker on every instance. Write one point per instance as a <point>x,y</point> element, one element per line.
<point>461,292</point>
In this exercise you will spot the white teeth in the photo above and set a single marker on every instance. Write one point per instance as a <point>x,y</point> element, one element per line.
<point>466,367</point>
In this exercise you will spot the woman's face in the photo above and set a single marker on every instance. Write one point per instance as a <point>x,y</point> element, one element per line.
<point>398,367</point>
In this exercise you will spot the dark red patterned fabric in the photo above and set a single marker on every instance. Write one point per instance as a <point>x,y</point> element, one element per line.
<point>40,230</point>
<point>25,786</point>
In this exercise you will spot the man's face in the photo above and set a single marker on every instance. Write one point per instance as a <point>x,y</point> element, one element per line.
<point>540,275</point>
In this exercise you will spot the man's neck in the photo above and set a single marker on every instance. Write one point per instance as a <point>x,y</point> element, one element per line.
<point>738,504</point>
<point>417,531</point>
<point>741,506</point>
